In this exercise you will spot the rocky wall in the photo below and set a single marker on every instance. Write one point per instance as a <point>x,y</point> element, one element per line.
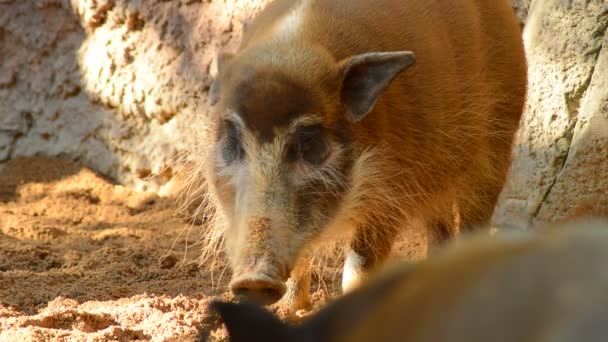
<point>560,166</point>
<point>520,7</point>
<point>120,85</point>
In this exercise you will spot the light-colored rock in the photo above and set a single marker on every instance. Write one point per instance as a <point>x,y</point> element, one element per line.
<point>520,7</point>
<point>561,158</point>
<point>581,188</point>
<point>121,87</point>
<point>117,85</point>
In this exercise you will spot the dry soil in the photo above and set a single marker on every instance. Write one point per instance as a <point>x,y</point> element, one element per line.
<point>82,258</point>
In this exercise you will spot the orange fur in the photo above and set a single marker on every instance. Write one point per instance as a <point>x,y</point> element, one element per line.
<point>436,146</point>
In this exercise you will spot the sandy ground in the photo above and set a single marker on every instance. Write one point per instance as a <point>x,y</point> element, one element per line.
<point>84,259</point>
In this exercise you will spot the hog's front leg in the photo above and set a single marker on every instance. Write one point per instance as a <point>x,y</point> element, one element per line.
<point>297,296</point>
<point>370,247</point>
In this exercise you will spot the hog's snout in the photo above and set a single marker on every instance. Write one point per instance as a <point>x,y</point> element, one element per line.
<point>258,288</point>
<point>259,272</point>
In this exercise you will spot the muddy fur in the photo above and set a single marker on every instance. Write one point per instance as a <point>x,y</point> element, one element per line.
<point>547,285</point>
<point>410,109</point>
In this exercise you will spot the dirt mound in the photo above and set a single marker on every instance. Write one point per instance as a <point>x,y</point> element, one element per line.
<point>84,259</point>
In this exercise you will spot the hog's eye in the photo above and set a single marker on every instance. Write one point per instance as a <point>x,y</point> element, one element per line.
<point>231,149</point>
<point>310,145</point>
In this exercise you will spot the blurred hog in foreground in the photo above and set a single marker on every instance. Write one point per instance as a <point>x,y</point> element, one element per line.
<point>549,286</point>
<point>359,117</point>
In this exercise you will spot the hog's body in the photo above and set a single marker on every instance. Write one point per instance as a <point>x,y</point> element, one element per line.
<point>523,287</point>
<point>326,122</point>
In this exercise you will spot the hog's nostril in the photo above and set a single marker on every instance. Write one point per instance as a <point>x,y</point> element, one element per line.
<point>260,292</point>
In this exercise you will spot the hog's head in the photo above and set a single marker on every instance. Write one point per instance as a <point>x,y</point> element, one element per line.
<point>283,151</point>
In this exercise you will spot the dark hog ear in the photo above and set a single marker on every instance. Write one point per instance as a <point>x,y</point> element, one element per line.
<point>366,76</point>
<point>248,322</point>
<point>222,59</point>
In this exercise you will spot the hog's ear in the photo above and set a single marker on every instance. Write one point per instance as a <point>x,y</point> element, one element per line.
<point>366,76</point>
<point>248,322</point>
<point>214,90</point>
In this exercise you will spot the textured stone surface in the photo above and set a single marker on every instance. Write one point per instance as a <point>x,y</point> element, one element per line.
<point>119,85</point>
<point>521,9</point>
<point>583,179</point>
<point>561,160</point>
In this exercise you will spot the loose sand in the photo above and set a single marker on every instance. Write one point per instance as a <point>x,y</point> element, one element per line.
<point>84,259</point>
